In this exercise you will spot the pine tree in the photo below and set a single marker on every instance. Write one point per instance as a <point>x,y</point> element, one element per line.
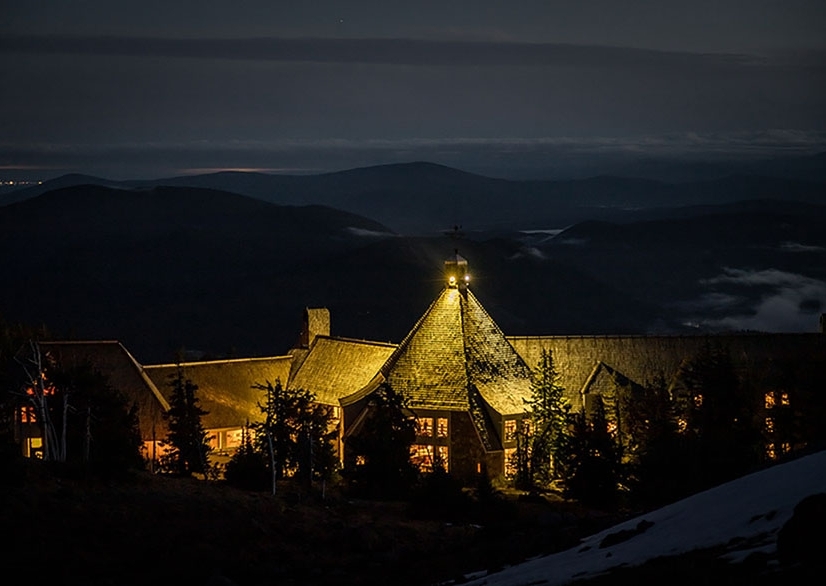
<point>187,439</point>
<point>248,467</point>
<point>378,457</point>
<point>590,459</point>
<point>718,417</point>
<point>296,434</point>
<point>657,452</point>
<point>548,410</point>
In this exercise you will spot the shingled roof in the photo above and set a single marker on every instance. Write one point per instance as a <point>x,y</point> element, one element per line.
<point>122,371</point>
<point>337,367</point>
<point>456,349</point>
<point>225,387</point>
<point>643,358</point>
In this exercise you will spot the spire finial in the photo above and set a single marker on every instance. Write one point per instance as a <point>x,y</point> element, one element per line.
<point>456,272</point>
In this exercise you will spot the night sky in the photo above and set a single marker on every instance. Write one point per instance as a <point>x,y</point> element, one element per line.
<point>155,88</point>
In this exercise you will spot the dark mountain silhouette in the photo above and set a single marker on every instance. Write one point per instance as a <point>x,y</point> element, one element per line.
<point>170,267</point>
<point>422,198</point>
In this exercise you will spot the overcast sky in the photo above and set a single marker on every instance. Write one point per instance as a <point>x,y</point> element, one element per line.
<point>146,89</point>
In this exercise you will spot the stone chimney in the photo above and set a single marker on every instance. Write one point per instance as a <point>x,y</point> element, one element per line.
<point>316,323</point>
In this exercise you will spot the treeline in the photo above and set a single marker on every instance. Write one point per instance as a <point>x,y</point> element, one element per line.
<point>653,444</point>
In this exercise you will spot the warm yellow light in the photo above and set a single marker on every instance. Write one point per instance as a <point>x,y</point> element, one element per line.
<point>467,278</point>
<point>452,279</point>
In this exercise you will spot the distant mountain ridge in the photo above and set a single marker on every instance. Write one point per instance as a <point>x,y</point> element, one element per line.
<point>162,268</point>
<point>425,198</point>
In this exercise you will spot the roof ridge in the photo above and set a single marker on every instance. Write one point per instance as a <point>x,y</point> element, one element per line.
<point>356,341</point>
<point>218,361</point>
<point>79,342</point>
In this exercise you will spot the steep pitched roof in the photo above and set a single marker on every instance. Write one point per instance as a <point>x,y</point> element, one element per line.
<point>456,349</point>
<point>121,369</point>
<point>337,367</point>
<point>225,387</point>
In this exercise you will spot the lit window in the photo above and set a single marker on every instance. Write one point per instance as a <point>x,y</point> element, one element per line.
<point>425,426</point>
<point>769,400</point>
<point>511,464</point>
<point>785,447</point>
<point>784,399</point>
<point>422,457</point>
<point>612,427</point>
<point>770,453</point>
<point>27,415</point>
<point>527,427</point>
<point>360,460</point>
<point>682,424</point>
<point>698,400</point>
<point>442,457</point>
<point>233,438</point>
<point>510,430</point>
<point>769,425</point>
<point>441,427</point>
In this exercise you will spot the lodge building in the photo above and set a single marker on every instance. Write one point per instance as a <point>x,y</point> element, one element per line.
<point>465,381</point>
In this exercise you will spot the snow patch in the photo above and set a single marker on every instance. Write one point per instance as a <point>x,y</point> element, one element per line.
<point>743,515</point>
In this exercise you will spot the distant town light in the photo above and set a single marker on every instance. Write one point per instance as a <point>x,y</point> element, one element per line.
<point>452,279</point>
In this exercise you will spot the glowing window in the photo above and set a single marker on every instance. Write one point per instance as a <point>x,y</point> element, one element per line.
<point>769,424</point>
<point>425,425</point>
<point>510,430</point>
<point>770,453</point>
<point>360,460</point>
<point>27,415</point>
<point>527,427</point>
<point>698,400</point>
<point>442,457</point>
<point>785,447</point>
<point>441,427</point>
<point>422,457</point>
<point>511,464</point>
<point>769,398</point>
<point>234,438</point>
<point>682,424</point>
<point>612,427</point>
<point>784,399</point>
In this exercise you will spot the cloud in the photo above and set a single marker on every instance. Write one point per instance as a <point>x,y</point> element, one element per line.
<point>363,232</point>
<point>770,277</point>
<point>387,51</point>
<point>791,304</point>
<point>798,247</point>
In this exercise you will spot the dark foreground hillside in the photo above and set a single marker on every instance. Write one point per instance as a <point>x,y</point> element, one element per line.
<point>162,530</point>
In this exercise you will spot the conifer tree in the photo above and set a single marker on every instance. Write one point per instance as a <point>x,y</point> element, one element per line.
<point>248,467</point>
<point>718,417</point>
<point>378,457</point>
<point>295,434</point>
<point>590,460</point>
<point>657,452</point>
<point>187,439</point>
<point>548,410</point>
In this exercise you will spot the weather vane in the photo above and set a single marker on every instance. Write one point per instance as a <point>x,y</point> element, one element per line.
<point>455,234</point>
